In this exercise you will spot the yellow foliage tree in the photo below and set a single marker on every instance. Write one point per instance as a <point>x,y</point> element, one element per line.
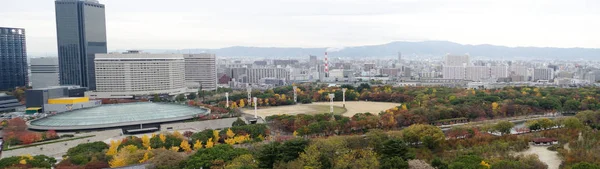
<point>283,97</point>
<point>230,133</point>
<point>484,164</point>
<point>175,149</point>
<point>241,139</point>
<point>146,157</point>
<point>197,145</point>
<point>23,161</point>
<point>162,137</point>
<point>178,134</point>
<point>112,150</point>
<point>230,141</point>
<point>234,105</point>
<point>261,137</point>
<point>209,143</point>
<point>495,106</point>
<point>404,107</point>
<point>242,104</point>
<point>216,135</point>
<point>118,161</point>
<point>266,102</point>
<point>146,141</point>
<point>185,146</point>
<point>295,133</point>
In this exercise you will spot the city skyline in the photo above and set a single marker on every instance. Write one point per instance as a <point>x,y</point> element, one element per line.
<point>321,24</point>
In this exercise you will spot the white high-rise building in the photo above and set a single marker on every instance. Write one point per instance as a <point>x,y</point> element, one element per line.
<point>138,74</point>
<point>477,73</point>
<point>457,60</point>
<point>543,74</point>
<point>256,74</point>
<point>498,71</point>
<point>201,69</point>
<point>44,72</point>
<point>453,72</point>
<point>519,70</point>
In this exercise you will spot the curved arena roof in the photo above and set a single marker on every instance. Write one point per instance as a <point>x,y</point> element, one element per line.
<point>117,115</point>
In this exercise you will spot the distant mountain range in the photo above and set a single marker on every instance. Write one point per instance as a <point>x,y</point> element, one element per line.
<point>410,49</point>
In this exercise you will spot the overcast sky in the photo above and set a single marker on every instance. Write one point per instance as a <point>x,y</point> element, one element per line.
<point>178,24</point>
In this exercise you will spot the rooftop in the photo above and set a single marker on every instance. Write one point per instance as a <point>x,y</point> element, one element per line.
<point>117,115</point>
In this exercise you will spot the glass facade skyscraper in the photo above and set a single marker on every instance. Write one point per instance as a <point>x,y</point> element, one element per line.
<point>81,33</point>
<point>13,58</point>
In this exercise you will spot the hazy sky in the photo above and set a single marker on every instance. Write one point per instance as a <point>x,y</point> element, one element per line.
<point>178,24</point>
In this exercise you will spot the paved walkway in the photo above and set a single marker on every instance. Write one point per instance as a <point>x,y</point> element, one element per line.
<point>58,149</point>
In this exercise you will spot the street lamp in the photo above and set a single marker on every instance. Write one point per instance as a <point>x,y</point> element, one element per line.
<point>255,111</point>
<point>331,96</point>
<point>344,96</point>
<point>295,96</point>
<point>227,99</point>
<point>249,90</point>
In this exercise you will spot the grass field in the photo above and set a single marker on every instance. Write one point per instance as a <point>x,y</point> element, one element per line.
<point>296,109</point>
<point>352,107</point>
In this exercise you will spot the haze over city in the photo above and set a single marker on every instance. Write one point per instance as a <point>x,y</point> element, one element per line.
<point>182,24</point>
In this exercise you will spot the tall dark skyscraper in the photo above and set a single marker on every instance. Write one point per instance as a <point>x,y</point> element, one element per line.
<point>81,33</point>
<point>13,58</point>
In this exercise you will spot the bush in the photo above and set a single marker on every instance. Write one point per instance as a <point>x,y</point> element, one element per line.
<point>238,122</point>
<point>67,135</point>
<point>84,153</point>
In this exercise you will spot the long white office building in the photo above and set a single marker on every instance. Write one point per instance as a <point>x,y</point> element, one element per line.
<point>138,74</point>
<point>256,74</point>
<point>201,69</point>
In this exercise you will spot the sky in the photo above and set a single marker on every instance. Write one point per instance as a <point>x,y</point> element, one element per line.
<point>181,24</point>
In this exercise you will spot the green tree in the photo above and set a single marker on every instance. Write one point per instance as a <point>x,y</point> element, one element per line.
<point>180,98</point>
<point>376,139</point>
<point>269,154</point>
<point>192,96</point>
<point>204,157</point>
<point>584,165</point>
<point>394,163</point>
<point>572,105</point>
<point>156,98</point>
<point>467,162</point>
<point>396,148</point>
<point>84,153</point>
<point>439,164</point>
<point>238,122</point>
<point>572,123</point>
<point>504,127</point>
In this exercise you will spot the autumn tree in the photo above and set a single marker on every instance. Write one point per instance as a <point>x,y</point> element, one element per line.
<point>431,136</point>
<point>146,141</point>
<point>504,127</point>
<point>366,159</point>
<point>242,104</point>
<point>166,159</point>
<point>245,161</point>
